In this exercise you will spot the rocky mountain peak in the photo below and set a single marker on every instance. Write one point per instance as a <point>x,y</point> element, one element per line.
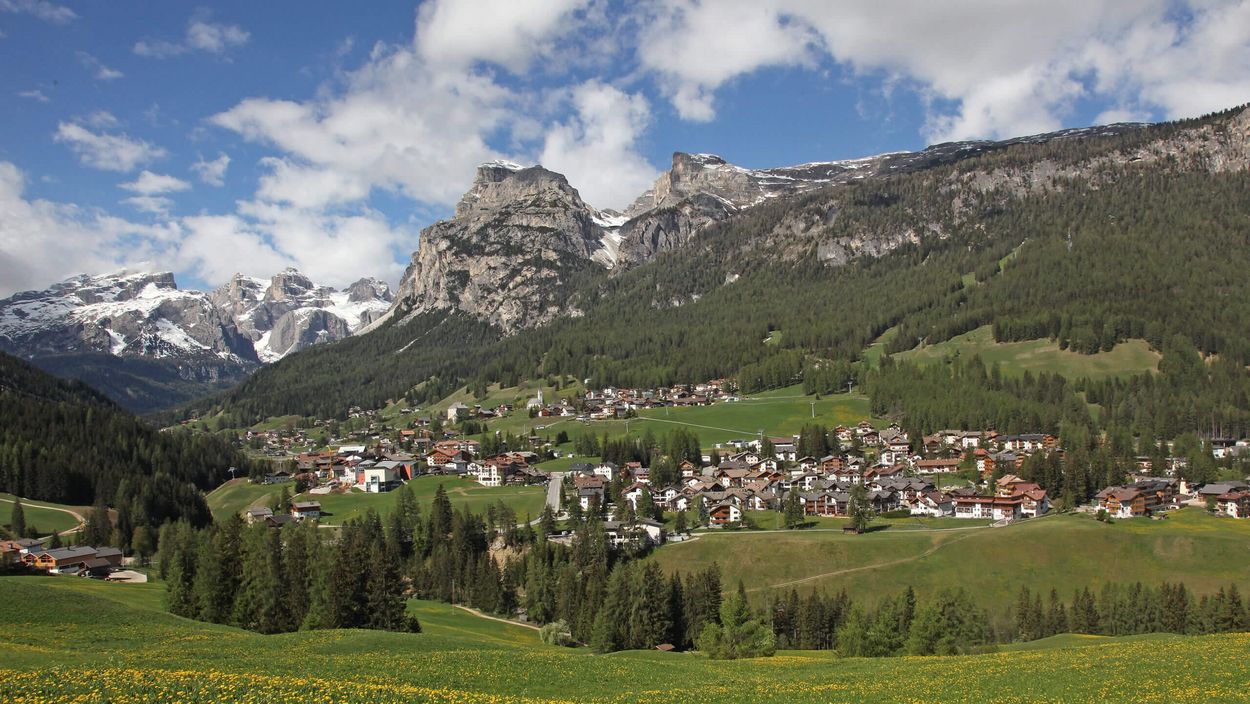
<point>499,184</point>
<point>287,285</point>
<point>369,289</point>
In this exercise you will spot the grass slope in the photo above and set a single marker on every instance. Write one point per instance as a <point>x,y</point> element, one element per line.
<point>1064,552</point>
<point>466,493</point>
<point>233,497</point>
<point>1015,358</point>
<point>95,642</point>
<point>45,520</point>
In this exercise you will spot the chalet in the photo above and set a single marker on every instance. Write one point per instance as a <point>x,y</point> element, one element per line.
<point>457,411</point>
<point>997,508</point>
<point>1209,492</point>
<point>932,503</point>
<point>633,493</point>
<point>1234,504</point>
<point>724,514</point>
<point>641,533</point>
<point>278,477</point>
<point>1122,501</point>
<point>12,550</point>
<point>256,514</point>
<point>306,510</point>
<point>72,560</point>
<point>937,466</point>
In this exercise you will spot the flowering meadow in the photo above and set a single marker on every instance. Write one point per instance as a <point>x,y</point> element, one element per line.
<point>74,640</point>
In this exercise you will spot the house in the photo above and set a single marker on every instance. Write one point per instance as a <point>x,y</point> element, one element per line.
<point>305,510</point>
<point>997,508</point>
<point>633,493</point>
<point>1122,501</point>
<point>71,560</point>
<point>256,514</point>
<point>11,550</point>
<point>456,411</point>
<point>940,466</point>
<point>1234,504</point>
<point>932,503</point>
<point>378,477</point>
<point>724,514</point>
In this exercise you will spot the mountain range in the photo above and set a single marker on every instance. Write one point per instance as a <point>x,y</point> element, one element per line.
<point>527,278</point>
<point>147,343</point>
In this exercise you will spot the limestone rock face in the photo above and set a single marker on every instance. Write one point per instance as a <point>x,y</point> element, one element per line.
<point>507,257</point>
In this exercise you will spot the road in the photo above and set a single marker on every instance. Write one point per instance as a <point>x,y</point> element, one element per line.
<point>555,489</point>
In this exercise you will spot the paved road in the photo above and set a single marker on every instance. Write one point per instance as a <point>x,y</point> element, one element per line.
<point>555,490</point>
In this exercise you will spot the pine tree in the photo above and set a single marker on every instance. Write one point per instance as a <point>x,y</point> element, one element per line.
<point>737,635</point>
<point>17,520</point>
<point>260,604</point>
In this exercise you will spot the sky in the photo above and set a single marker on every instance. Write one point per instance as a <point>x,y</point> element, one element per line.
<point>251,136</point>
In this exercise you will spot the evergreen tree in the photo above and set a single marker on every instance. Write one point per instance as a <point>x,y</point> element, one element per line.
<point>737,635</point>
<point>17,520</point>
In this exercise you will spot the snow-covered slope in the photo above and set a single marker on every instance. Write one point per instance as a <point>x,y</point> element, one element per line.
<point>123,314</point>
<point>289,312</point>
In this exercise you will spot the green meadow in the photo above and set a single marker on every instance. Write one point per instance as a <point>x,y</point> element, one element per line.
<point>40,515</point>
<point>1036,356</point>
<point>1064,552</point>
<point>75,640</point>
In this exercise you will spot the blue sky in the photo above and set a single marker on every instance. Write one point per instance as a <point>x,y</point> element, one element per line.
<point>252,136</point>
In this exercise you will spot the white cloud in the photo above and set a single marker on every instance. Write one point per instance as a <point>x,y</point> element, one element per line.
<point>150,204</point>
<point>399,126</point>
<point>148,183</point>
<point>264,238</point>
<point>109,152</point>
<point>42,9</point>
<point>509,33</point>
<point>213,37</point>
<point>201,35</point>
<point>986,68</point>
<point>597,148</point>
<point>212,172</point>
<point>98,69</point>
<point>697,46</point>
<point>42,242</point>
<point>35,95</point>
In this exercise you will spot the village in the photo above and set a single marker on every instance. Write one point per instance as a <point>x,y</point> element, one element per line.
<point>960,474</point>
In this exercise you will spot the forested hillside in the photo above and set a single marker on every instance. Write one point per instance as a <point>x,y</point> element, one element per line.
<point>1089,240</point>
<point>61,441</point>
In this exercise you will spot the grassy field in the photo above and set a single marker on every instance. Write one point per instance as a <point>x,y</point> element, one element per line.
<point>94,642</point>
<point>775,520</point>
<point>1062,551</point>
<point>340,508</point>
<point>236,495</point>
<point>1015,358</point>
<point>778,413</point>
<point>45,520</point>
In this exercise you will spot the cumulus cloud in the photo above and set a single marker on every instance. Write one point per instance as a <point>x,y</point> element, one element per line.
<point>509,33</point>
<point>42,9</point>
<point>43,241</point>
<point>202,35</point>
<point>148,183</point>
<point>597,148</point>
<point>695,47</point>
<point>263,238</point>
<point>986,68</point>
<point>212,172</point>
<point>97,69</point>
<point>108,152</point>
<point>399,125</point>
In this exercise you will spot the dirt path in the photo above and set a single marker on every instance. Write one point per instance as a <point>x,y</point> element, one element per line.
<point>479,614</point>
<point>864,568</point>
<point>77,516</point>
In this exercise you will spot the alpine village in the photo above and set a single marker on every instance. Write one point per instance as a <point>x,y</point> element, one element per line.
<point>966,422</point>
